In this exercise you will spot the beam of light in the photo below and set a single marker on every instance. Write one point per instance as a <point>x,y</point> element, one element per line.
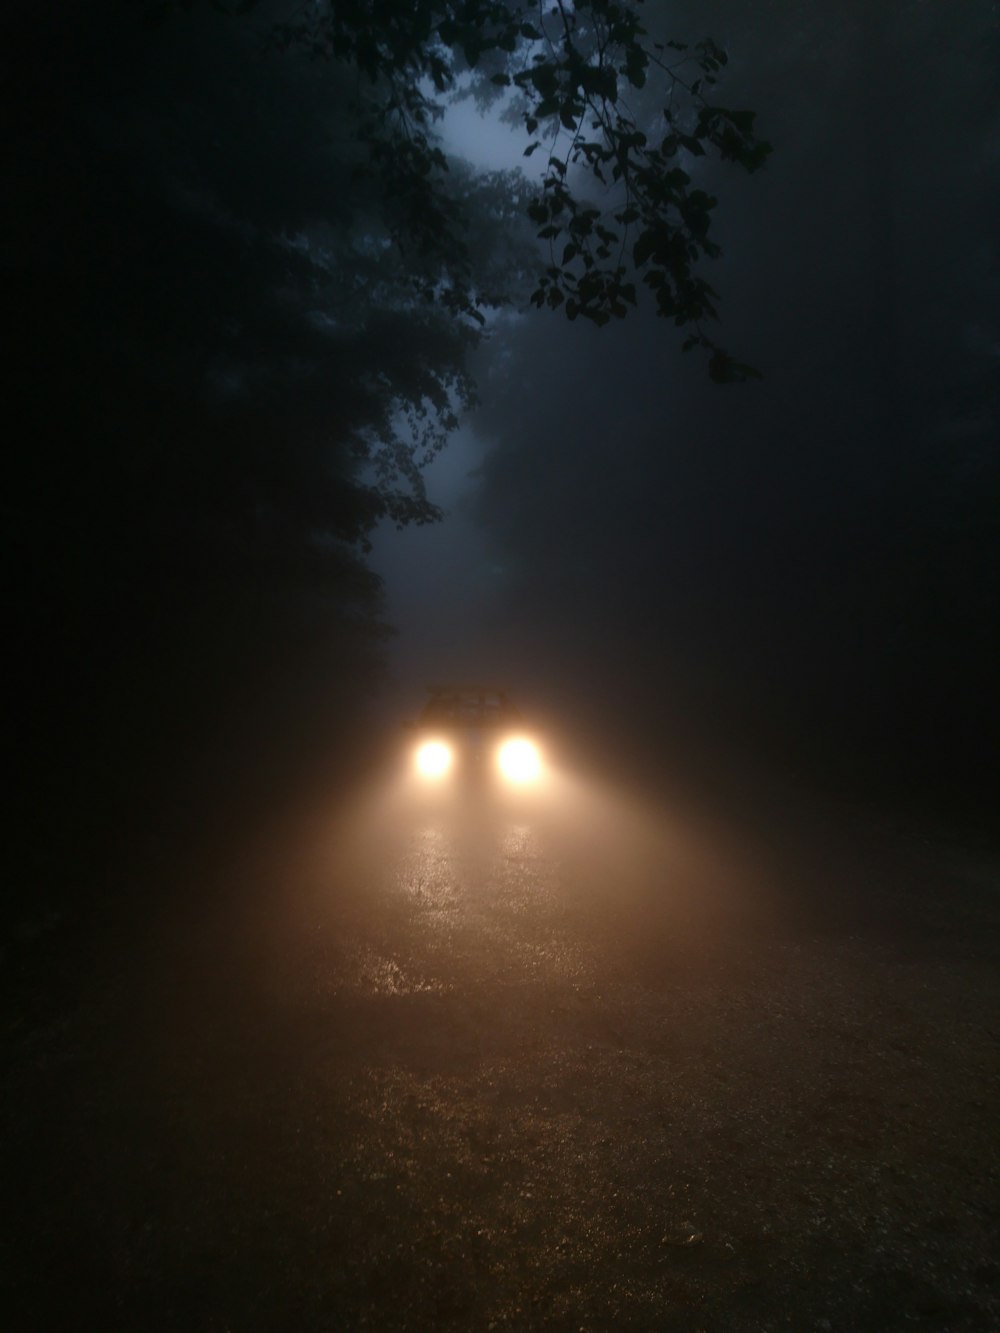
<point>519,761</point>
<point>434,759</point>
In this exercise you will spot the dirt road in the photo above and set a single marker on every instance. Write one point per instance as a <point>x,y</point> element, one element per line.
<point>577,1063</point>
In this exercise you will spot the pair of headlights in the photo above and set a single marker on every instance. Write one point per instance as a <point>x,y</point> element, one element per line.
<point>517,759</point>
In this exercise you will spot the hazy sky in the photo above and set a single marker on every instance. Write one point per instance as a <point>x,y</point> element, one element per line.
<point>441,581</point>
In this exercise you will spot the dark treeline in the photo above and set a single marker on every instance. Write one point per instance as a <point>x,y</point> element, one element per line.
<point>171,479</point>
<point>221,382</point>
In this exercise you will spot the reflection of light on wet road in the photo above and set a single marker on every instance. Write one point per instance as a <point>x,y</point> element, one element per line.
<point>425,870</point>
<point>379,975</point>
<point>531,1049</point>
<point>492,887</point>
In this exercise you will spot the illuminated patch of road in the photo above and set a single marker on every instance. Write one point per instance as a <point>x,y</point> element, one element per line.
<point>533,1066</point>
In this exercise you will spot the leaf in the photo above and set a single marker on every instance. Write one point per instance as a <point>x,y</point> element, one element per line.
<point>531,148</point>
<point>636,61</point>
<point>722,369</point>
<point>644,247</point>
<point>743,120</point>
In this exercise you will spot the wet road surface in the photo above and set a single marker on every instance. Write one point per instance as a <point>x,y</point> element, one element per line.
<point>567,1062</point>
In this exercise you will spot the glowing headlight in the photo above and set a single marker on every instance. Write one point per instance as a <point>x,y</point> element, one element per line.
<point>519,761</point>
<point>434,759</point>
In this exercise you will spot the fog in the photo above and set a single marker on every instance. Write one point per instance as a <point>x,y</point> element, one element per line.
<point>802,569</point>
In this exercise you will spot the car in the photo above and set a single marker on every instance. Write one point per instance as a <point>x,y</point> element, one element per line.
<point>470,732</point>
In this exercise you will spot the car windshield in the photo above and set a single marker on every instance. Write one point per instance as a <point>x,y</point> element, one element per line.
<point>467,707</point>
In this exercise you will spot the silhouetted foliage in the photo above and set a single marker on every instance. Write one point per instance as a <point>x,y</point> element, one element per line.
<point>245,283</point>
<point>225,375</point>
<point>568,76</point>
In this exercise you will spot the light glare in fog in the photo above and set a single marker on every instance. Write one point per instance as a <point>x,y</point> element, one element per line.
<point>434,759</point>
<point>519,761</point>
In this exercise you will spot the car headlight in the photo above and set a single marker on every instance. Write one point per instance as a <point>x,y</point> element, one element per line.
<point>434,759</point>
<point>519,760</point>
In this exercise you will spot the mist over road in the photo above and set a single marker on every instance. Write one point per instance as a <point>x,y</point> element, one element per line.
<point>573,1062</point>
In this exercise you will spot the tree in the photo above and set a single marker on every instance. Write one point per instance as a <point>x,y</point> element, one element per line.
<point>568,75</point>
<point>244,285</point>
<point>223,376</point>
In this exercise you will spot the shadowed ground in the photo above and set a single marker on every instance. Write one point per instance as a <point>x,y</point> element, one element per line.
<point>572,1062</point>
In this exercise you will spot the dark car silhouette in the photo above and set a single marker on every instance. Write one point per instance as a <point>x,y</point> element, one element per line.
<point>474,731</point>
